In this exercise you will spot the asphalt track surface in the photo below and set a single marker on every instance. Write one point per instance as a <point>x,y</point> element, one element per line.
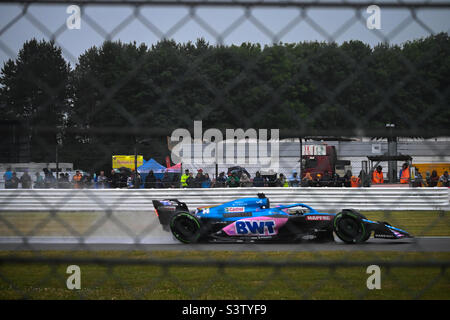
<point>146,234</point>
<point>422,244</point>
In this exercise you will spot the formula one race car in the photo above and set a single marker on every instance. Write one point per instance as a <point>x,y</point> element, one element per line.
<point>252,219</point>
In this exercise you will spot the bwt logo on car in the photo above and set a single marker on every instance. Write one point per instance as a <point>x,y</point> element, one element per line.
<point>255,227</point>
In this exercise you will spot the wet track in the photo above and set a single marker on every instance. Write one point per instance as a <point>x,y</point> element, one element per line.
<point>142,231</point>
<point>424,244</point>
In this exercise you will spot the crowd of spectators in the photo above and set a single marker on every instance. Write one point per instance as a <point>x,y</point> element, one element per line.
<point>233,179</point>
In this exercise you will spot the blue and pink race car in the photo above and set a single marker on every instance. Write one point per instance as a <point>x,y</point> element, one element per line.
<point>253,220</point>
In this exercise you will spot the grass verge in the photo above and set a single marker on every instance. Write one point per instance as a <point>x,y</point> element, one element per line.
<point>171,281</point>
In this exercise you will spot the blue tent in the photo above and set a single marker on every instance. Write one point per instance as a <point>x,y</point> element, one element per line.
<point>151,165</point>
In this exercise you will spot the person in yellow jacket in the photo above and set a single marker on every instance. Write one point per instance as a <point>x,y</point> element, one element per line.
<point>184,178</point>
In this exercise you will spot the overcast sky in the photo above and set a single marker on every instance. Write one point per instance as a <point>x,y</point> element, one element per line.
<point>209,23</point>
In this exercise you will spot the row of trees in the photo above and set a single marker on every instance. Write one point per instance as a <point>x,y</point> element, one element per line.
<point>121,93</point>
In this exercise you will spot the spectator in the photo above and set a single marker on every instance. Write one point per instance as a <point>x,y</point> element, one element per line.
<point>14,181</point>
<point>336,180</point>
<point>206,183</point>
<point>166,181</point>
<point>176,181</point>
<point>67,179</point>
<point>130,182</point>
<point>258,181</point>
<point>25,180</point>
<point>61,183</point>
<point>114,179</point>
<point>86,180</point>
<point>364,178</point>
<point>7,177</point>
<point>158,184</point>
<point>404,174</point>
<point>355,181</point>
<point>150,180</point>
<point>316,180</point>
<point>444,179</point>
<point>294,181</point>
<point>183,179</point>
<point>199,179</point>
<point>272,180</point>
<point>282,181</point>
<point>190,181</point>
<point>49,179</point>
<point>200,171</point>
<point>39,181</point>
<point>434,179</point>
<point>123,179</point>
<point>220,181</point>
<point>377,175</point>
<point>102,181</point>
<point>76,180</point>
<point>233,180</point>
<point>137,180</point>
<point>307,180</point>
<point>325,180</point>
<point>428,178</point>
<point>245,180</point>
<point>418,181</point>
<point>347,179</point>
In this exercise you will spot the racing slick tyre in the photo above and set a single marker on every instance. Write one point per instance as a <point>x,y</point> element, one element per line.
<point>349,227</point>
<point>353,211</point>
<point>185,227</point>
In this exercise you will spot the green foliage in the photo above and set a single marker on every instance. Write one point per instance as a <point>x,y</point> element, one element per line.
<point>125,92</point>
<point>35,90</point>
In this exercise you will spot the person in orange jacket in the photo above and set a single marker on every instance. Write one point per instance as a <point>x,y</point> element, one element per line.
<point>377,175</point>
<point>355,182</point>
<point>77,180</point>
<point>404,174</point>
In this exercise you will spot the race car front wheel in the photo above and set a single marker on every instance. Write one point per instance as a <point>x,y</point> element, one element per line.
<point>349,227</point>
<point>185,227</point>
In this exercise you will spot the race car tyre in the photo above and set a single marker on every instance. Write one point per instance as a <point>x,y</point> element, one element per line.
<point>185,227</point>
<point>353,211</point>
<point>349,227</point>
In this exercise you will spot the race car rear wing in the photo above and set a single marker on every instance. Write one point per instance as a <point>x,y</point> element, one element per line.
<point>166,209</point>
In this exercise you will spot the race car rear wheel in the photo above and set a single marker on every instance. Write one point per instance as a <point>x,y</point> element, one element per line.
<point>185,227</point>
<point>349,227</point>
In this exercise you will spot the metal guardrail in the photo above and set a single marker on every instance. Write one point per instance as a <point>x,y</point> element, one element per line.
<point>141,200</point>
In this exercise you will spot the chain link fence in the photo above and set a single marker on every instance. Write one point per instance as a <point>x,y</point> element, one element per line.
<point>75,101</point>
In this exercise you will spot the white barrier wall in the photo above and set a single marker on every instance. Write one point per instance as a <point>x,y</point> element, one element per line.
<point>331,199</point>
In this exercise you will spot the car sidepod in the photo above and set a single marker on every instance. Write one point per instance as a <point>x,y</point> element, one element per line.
<point>259,227</point>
